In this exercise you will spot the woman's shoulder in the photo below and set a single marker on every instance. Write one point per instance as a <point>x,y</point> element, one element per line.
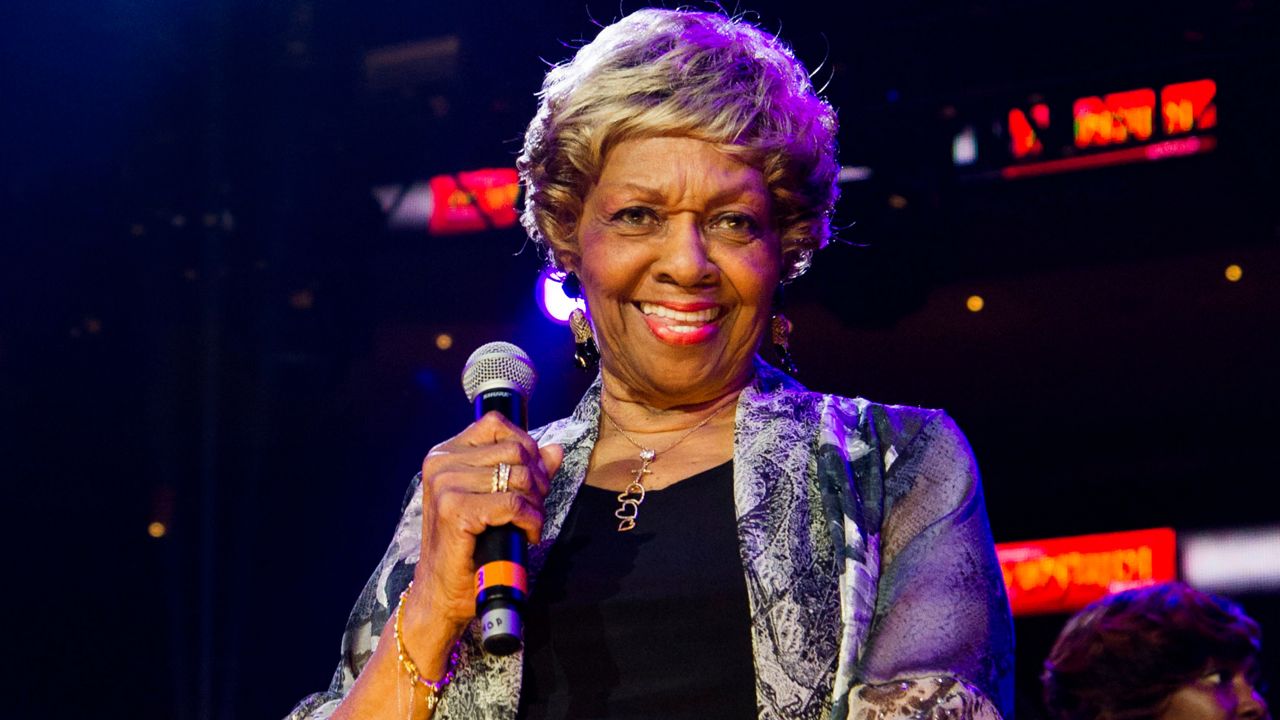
<point>890,424</point>
<point>902,424</point>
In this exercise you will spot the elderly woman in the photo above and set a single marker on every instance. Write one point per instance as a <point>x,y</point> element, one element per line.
<point>708,538</point>
<point>1165,652</point>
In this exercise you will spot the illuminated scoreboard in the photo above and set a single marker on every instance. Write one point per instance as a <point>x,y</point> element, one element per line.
<point>1113,128</point>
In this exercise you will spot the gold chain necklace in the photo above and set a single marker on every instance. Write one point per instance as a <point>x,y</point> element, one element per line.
<point>629,500</point>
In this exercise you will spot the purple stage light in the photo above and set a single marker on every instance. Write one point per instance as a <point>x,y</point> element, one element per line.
<point>551,298</point>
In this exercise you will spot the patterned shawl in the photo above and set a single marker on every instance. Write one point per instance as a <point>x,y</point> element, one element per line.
<point>873,583</point>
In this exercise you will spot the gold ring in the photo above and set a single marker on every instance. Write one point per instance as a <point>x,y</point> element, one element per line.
<point>501,477</point>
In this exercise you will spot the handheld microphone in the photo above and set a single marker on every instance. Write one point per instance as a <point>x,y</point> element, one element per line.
<point>500,376</point>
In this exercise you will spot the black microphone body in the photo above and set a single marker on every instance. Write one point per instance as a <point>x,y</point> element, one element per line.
<point>501,589</point>
<point>510,403</point>
<point>499,376</point>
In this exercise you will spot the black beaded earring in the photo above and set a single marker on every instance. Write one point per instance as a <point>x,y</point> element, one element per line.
<point>585,354</point>
<point>572,286</point>
<point>780,334</point>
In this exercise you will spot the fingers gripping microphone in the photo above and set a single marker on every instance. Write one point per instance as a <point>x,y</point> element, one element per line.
<point>499,376</point>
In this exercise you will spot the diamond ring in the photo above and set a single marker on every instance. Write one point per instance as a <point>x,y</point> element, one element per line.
<point>501,477</point>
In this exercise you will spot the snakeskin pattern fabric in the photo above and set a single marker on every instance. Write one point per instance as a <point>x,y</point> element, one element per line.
<point>872,578</point>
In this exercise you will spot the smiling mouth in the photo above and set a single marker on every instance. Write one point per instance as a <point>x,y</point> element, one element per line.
<point>680,321</point>
<point>689,324</point>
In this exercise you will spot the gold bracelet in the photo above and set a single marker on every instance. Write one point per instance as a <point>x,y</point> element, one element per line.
<point>434,689</point>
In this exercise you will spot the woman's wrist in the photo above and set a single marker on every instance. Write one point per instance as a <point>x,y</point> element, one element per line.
<point>383,689</point>
<point>425,646</point>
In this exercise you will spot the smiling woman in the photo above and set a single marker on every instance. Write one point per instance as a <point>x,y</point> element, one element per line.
<point>679,258</point>
<point>709,538</point>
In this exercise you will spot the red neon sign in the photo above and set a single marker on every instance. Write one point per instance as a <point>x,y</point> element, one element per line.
<point>473,201</point>
<point>1065,574</point>
<point>1156,151</point>
<point>1022,135</point>
<point>1112,129</point>
<point>1114,118</point>
<point>1188,106</point>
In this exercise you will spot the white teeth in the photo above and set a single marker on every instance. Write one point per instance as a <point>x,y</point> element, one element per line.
<point>701,316</point>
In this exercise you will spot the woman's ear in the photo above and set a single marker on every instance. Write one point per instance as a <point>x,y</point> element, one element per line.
<point>567,260</point>
<point>563,252</point>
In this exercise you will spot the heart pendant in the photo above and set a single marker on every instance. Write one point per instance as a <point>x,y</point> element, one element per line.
<point>627,514</point>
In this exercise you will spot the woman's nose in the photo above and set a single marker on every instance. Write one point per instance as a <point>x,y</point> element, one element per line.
<point>684,259</point>
<point>1250,704</point>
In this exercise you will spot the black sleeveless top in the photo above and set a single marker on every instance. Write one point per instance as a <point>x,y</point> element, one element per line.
<point>651,623</point>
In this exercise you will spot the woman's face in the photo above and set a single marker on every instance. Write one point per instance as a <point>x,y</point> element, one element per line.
<point>678,258</point>
<point>1224,693</point>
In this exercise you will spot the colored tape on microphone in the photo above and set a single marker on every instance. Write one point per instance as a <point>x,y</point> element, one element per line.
<point>501,573</point>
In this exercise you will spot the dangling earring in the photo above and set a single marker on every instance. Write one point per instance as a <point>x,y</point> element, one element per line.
<point>571,286</point>
<point>780,334</point>
<point>585,355</point>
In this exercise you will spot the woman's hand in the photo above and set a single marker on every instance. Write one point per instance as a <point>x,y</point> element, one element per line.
<point>458,504</point>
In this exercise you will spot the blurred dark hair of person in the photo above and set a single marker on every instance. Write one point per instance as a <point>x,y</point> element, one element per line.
<point>1163,652</point>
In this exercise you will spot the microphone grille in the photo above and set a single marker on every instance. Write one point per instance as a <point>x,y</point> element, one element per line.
<point>498,364</point>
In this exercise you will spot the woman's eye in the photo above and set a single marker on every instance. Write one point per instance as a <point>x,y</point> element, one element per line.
<point>1215,678</point>
<point>736,222</point>
<point>636,216</point>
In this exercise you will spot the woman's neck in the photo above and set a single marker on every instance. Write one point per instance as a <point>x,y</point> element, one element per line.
<point>681,439</point>
<point>636,415</point>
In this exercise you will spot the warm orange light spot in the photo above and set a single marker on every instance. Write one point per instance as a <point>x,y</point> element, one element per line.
<point>1234,273</point>
<point>302,300</point>
<point>975,303</point>
<point>897,202</point>
<point>157,529</point>
<point>444,341</point>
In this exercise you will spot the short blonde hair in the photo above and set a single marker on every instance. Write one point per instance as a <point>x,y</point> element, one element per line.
<point>691,74</point>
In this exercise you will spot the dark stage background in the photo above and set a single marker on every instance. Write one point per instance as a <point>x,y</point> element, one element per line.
<point>205,320</point>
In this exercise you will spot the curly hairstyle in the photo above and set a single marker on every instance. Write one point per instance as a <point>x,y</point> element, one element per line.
<point>692,74</point>
<point>1123,656</point>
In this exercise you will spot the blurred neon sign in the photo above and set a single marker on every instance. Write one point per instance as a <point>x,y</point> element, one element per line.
<point>1119,117</point>
<point>473,201</point>
<point>1065,574</point>
<point>1114,128</point>
<point>1023,140</point>
<point>1188,106</point>
<point>1114,118</point>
